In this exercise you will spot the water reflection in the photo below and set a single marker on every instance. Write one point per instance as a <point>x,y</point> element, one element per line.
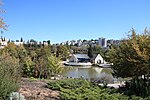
<point>92,72</point>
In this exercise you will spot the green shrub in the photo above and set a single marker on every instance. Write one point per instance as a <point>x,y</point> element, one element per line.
<point>79,89</point>
<point>68,84</point>
<point>133,97</point>
<point>9,76</point>
<point>138,87</point>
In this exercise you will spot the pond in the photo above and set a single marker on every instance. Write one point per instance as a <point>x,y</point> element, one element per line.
<point>90,73</point>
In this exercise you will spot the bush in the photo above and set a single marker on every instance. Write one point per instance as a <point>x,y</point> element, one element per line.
<point>68,84</point>
<point>79,89</point>
<point>138,87</point>
<point>133,97</point>
<point>9,76</point>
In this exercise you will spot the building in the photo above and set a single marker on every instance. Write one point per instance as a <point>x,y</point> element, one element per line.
<point>3,42</point>
<point>45,43</point>
<point>79,58</point>
<point>97,59</point>
<point>102,42</point>
<point>79,42</point>
<point>17,42</point>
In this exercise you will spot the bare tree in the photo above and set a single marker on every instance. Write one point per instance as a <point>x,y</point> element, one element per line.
<point>2,22</point>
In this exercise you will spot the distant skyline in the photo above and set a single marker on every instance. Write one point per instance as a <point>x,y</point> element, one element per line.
<point>61,20</point>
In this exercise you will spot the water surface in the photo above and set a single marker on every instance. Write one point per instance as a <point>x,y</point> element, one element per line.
<point>89,72</point>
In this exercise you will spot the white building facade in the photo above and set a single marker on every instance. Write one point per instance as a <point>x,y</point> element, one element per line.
<point>3,42</point>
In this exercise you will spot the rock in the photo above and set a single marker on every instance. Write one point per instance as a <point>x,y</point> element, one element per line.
<point>54,94</point>
<point>16,96</point>
<point>36,90</point>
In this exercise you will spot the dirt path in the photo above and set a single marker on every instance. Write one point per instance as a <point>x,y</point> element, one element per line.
<point>36,90</point>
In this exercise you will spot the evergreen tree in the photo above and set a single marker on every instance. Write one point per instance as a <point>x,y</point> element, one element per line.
<point>21,40</point>
<point>90,51</point>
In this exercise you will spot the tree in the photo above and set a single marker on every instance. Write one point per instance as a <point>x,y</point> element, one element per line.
<point>62,52</point>
<point>98,50</point>
<point>54,66</point>
<point>40,61</point>
<point>132,59</point>
<point>2,23</point>
<point>95,50</point>
<point>28,67</point>
<point>21,40</point>
<point>41,67</point>
<point>11,48</point>
<point>49,42</point>
<point>48,66</point>
<point>90,52</point>
<point>53,49</point>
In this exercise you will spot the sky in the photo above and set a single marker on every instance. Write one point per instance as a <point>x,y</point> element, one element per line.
<point>62,20</point>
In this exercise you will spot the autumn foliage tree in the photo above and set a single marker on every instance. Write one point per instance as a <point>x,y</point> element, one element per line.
<point>132,59</point>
